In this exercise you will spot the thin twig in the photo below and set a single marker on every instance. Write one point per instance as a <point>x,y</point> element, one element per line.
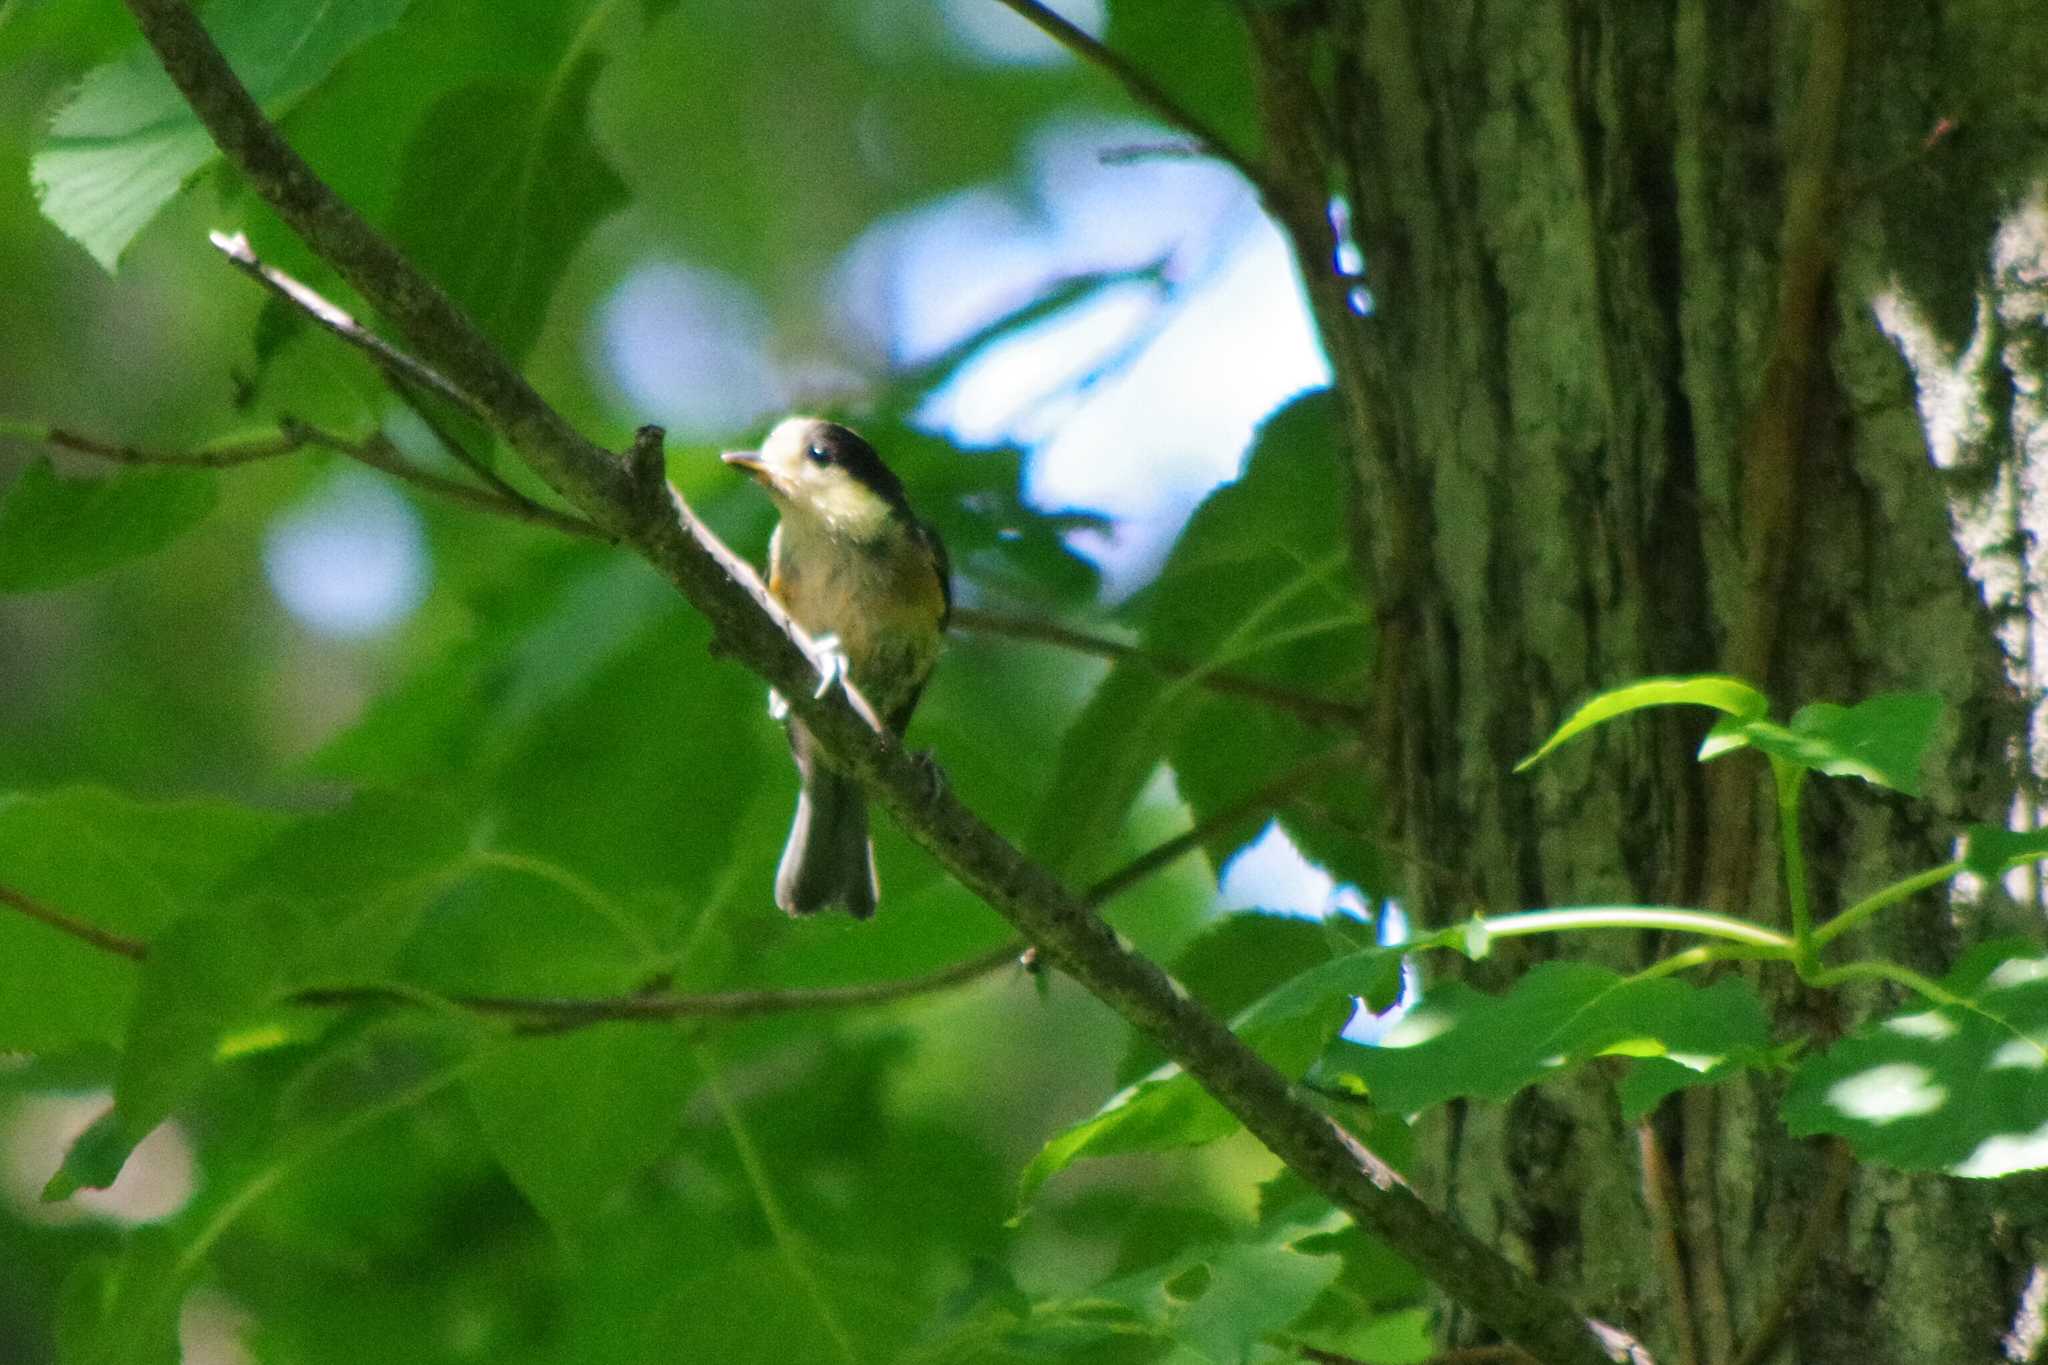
<point>1699,1112</point>
<point>1319,710</point>
<point>224,456</point>
<point>406,374</point>
<point>416,403</point>
<point>1150,151</point>
<point>714,1004</point>
<point>1274,793</point>
<point>574,1010</point>
<point>103,939</point>
<point>1819,1224</point>
<point>374,450</point>
<point>235,246</point>
<point>1140,86</point>
<point>1660,1199</point>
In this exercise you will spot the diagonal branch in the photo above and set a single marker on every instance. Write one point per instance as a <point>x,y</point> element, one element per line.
<point>293,435</point>
<point>386,357</point>
<point>106,940</point>
<point>1314,709</point>
<point>659,527</point>
<point>1147,92</point>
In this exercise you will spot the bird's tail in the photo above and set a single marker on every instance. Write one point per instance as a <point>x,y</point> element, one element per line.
<point>829,860</point>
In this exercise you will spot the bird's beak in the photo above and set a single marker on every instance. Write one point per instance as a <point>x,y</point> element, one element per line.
<point>748,461</point>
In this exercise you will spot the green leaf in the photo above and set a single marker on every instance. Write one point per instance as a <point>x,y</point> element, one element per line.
<point>1164,1111</point>
<point>373,842</point>
<point>1961,1088</point>
<point>1461,1042</point>
<point>1990,851</point>
<point>535,1100</point>
<point>1106,757</point>
<point>331,897</point>
<point>205,975</point>
<point>55,530</point>
<point>818,1306</point>
<point>1731,696</point>
<point>126,141</point>
<point>1199,54</point>
<point>126,1311</point>
<point>532,186</point>
<point>1289,1026</point>
<point>1260,585</point>
<point>1253,1291</point>
<point>1881,740</point>
<point>1241,957</point>
<point>115,1310</point>
<point>123,866</point>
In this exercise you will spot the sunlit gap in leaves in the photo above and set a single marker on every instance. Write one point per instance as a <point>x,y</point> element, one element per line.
<point>350,559</point>
<point>973,32</point>
<point>691,349</point>
<point>1141,396</point>
<point>1000,37</point>
<point>38,1129</point>
<point>1271,874</point>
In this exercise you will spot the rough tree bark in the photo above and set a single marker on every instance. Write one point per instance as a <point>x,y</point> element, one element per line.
<point>1620,405</point>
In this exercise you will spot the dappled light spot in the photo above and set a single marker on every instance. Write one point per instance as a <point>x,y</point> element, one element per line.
<point>689,347</point>
<point>1139,395</point>
<point>2017,971</point>
<point>2005,1153</point>
<point>1694,1061</point>
<point>2021,1054</point>
<point>38,1130</point>
<point>1931,1024</point>
<point>1418,1028</point>
<point>999,37</point>
<point>1885,1094</point>
<point>351,559</point>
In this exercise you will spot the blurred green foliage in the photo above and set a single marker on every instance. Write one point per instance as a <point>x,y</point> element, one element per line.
<point>542,784</point>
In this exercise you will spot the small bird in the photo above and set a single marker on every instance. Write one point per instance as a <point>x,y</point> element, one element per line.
<point>869,583</point>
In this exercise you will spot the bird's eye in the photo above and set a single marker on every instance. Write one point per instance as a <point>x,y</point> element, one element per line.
<point>820,454</point>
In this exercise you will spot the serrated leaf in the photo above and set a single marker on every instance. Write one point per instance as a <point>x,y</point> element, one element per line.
<point>1289,1026</point>
<point>126,141</point>
<point>1881,740</point>
<point>331,896</point>
<point>1253,1291</point>
<point>126,1311</point>
<point>1240,958</point>
<point>1160,1113</point>
<point>1731,696</point>
<point>1962,1089</point>
<point>1990,851</point>
<point>1461,1042</point>
<point>55,530</point>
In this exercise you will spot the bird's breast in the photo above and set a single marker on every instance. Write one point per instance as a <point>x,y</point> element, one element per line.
<point>883,600</point>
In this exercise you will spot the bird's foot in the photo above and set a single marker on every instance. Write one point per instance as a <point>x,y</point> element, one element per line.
<point>829,658</point>
<point>935,784</point>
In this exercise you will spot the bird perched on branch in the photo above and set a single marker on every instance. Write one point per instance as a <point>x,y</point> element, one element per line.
<point>868,582</point>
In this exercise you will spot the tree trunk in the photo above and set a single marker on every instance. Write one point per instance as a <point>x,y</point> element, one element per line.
<point>1619,405</point>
